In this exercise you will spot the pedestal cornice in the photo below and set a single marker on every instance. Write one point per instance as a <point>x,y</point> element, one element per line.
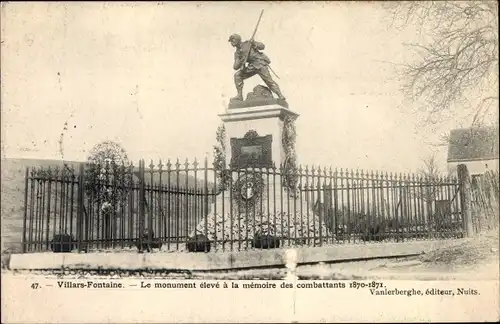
<point>257,112</point>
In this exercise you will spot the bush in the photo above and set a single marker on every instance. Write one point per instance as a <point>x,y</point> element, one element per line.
<point>148,241</point>
<point>265,240</point>
<point>374,232</point>
<point>62,243</point>
<point>198,243</point>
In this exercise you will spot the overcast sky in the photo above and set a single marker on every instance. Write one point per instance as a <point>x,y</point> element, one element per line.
<point>153,77</point>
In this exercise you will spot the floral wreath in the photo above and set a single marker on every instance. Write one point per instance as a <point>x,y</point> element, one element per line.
<point>247,190</point>
<point>290,174</point>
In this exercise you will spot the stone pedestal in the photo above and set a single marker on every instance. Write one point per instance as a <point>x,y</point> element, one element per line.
<point>257,202</point>
<point>265,119</point>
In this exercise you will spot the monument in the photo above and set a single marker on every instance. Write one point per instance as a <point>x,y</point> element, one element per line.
<point>260,200</point>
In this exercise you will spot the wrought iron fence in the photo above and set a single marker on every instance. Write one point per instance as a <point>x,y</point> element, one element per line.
<point>186,207</point>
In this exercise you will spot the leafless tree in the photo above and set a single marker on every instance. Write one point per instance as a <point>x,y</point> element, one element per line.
<point>430,168</point>
<point>431,176</point>
<point>457,57</point>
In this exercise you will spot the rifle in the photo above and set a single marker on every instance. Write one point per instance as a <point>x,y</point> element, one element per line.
<point>251,41</point>
<point>251,44</point>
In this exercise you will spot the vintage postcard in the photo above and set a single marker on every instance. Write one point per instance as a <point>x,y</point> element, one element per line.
<point>249,162</point>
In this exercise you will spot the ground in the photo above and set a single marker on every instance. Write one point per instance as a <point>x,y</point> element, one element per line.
<point>476,258</point>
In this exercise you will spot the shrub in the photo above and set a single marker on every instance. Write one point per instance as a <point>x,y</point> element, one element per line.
<point>198,243</point>
<point>265,240</point>
<point>62,243</point>
<point>148,241</point>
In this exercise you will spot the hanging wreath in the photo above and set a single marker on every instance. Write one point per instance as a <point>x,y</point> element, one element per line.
<point>223,174</point>
<point>107,177</point>
<point>290,174</point>
<point>247,191</point>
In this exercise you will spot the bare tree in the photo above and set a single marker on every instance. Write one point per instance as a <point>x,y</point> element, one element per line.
<point>430,168</point>
<point>431,176</point>
<point>457,56</point>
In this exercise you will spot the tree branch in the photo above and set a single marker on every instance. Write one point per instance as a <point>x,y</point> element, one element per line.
<point>461,56</point>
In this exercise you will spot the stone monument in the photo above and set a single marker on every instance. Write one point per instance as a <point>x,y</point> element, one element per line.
<point>257,201</point>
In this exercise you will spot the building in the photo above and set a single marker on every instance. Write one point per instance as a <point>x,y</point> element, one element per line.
<point>477,148</point>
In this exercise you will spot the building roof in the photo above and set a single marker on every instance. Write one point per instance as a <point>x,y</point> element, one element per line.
<point>469,144</point>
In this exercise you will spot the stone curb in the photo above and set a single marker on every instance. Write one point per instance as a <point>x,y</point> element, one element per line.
<point>223,260</point>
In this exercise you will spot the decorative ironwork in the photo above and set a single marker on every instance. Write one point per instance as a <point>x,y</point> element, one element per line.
<point>251,134</point>
<point>179,201</point>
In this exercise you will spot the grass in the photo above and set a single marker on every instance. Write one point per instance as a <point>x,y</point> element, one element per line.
<point>471,252</point>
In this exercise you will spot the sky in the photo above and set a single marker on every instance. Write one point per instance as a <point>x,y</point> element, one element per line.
<point>154,77</point>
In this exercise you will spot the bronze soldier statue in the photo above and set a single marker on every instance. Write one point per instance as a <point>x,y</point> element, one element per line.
<point>249,61</point>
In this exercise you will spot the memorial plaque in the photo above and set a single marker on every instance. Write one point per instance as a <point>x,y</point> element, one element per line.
<point>251,151</point>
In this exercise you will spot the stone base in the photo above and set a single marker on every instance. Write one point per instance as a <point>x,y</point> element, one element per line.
<point>257,102</point>
<point>260,96</point>
<point>266,118</point>
<point>128,260</point>
<point>291,220</point>
<point>240,229</point>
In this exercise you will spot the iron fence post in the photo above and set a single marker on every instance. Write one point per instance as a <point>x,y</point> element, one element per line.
<point>205,202</point>
<point>79,223</point>
<point>25,209</point>
<point>465,199</point>
<point>142,199</point>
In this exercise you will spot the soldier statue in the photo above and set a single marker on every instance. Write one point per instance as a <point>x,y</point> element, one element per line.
<point>249,61</point>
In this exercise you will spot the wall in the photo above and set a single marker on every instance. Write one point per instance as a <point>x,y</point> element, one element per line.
<point>474,167</point>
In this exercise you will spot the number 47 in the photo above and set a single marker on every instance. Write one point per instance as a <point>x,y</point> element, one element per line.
<point>35,285</point>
